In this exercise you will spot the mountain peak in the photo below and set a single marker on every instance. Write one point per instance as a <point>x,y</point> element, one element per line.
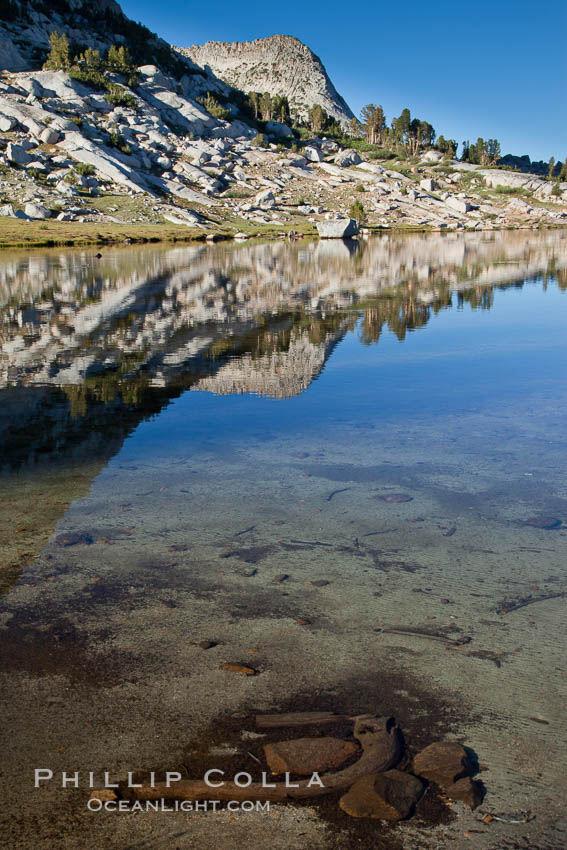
<point>279,64</point>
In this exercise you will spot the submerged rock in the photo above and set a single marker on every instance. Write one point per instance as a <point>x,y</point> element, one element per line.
<point>239,668</point>
<point>305,756</point>
<point>105,795</point>
<point>546,522</point>
<point>384,796</point>
<point>444,762</point>
<point>466,790</point>
<point>70,538</point>
<point>393,497</point>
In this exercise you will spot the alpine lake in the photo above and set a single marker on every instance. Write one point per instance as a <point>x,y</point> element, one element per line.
<point>281,477</point>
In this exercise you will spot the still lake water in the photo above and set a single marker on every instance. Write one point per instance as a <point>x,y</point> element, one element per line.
<point>181,427</point>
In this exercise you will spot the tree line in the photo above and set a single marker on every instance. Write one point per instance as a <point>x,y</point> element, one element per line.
<point>404,134</point>
<point>410,135</point>
<point>91,68</point>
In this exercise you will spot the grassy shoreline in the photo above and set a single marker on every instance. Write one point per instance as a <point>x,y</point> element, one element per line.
<point>17,233</point>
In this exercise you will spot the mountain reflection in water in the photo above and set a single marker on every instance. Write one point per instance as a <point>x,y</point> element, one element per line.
<point>259,318</point>
<point>90,347</point>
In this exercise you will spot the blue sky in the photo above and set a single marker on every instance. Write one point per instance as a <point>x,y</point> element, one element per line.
<point>491,69</point>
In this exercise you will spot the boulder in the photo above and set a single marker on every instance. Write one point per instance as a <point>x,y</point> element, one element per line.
<point>17,153</point>
<point>54,84</point>
<point>346,158</point>
<point>64,125</point>
<point>65,188</point>
<point>458,204</point>
<point>154,76</point>
<point>517,205</point>
<point>37,211</point>
<point>444,762</point>
<point>107,161</point>
<point>432,156</point>
<point>7,123</point>
<point>339,228</point>
<point>8,209</point>
<point>312,154</point>
<point>159,140</point>
<point>265,198</point>
<point>372,167</point>
<point>32,117</point>
<point>305,756</point>
<point>384,796</point>
<point>49,136</point>
<point>38,166</point>
<point>182,113</point>
<point>428,185</point>
<point>281,131</point>
<point>466,790</point>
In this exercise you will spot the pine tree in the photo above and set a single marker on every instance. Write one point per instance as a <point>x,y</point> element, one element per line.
<point>374,122</point>
<point>401,127</point>
<point>317,118</point>
<point>112,57</point>
<point>92,59</point>
<point>58,58</point>
<point>492,151</point>
<point>354,127</point>
<point>480,152</point>
<point>254,102</point>
<point>551,167</point>
<point>280,108</point>
<point>266,106</point>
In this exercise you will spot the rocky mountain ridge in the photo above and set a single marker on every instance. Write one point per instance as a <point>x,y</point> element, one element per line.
<point>76,150</point>
<point>26,25</point>
<point>280,65</point>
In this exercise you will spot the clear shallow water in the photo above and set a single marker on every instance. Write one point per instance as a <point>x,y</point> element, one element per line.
<point>201,414</point>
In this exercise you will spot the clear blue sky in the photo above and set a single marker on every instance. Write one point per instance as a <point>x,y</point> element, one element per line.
<point>491,69</point>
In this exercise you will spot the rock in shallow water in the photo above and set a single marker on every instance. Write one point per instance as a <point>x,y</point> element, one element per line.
<point>71,538</point>
<point>239,668</point>
<point>340,228</point>
<point>393,497</point>
<point>547,522</point>
<point>467,790</point>
<point>305,756</point>
<point>443,762</point>
<point>279,579</point>
<point>384,796</point>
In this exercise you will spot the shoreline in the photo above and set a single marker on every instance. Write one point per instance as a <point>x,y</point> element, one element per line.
<point>52,234</point>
